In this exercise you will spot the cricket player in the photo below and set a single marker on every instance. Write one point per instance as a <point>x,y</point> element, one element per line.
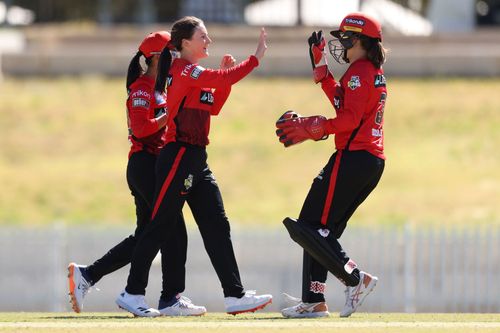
<point>351,173</point>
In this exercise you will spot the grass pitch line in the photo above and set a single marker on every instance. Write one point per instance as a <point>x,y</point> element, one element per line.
<point>251,324</point>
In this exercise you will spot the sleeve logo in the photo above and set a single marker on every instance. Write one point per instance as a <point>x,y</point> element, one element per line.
<point>379,81</point>
<point>140,103</point>
<point>354,82</point>
<point>195,73</point>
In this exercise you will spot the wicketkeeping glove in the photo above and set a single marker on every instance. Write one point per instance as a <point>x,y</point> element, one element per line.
<point>317,54</point>
<point>296,129</point>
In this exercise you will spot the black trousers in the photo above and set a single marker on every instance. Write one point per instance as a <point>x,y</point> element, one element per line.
<point>141,181</point>
<point>343,184</point>
<point>183,175</point>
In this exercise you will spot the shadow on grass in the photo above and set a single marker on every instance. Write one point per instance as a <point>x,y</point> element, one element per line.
<point>78,317</point>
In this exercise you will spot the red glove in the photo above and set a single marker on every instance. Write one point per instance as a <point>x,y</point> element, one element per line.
<point>317,55</point>
<point>295,130</point>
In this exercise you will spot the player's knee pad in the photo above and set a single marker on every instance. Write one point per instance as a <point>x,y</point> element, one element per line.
<point>315,241</point>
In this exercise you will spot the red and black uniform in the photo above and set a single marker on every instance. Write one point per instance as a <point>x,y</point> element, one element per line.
<point>194,95</point>
<point>353,171</point>
<point>146,140</point>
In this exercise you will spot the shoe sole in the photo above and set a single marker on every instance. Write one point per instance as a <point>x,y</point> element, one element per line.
<point>72,286</point>
<point>234,313</point>
<point>183,315</point>
<point>373,283</point>
<point>309,315</point>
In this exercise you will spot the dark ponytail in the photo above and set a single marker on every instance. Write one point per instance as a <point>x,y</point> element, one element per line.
<point>134,69</point>
<point>375,51</point>
<point>163,69</point>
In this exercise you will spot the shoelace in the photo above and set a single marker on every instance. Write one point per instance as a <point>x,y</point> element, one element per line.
<point>250,292</point>
<point>185,302</point>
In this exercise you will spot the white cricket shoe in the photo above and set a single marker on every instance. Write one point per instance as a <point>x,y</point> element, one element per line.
<point>354,296</point>
<point>78,286</point>
<point>136,304</point>
<point>304,310</point>
<point>183,307</point>
<point>250,302</point>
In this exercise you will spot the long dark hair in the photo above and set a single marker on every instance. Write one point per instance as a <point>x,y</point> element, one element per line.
<point>375,51</point>
<point>182,29</point>
<point>135,69</point>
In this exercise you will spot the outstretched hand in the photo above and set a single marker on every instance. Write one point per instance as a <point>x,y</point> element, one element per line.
<point>262,45</point>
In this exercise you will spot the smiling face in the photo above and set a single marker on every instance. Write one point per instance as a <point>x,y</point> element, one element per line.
<point>197,46</point>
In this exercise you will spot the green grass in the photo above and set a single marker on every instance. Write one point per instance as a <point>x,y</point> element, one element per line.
<point>64,152</point>
<point>265,322</point>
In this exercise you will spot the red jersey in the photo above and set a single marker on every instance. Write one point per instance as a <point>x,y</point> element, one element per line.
<point>142,109</point>
<point>359,101</point>
<point>196,93</point>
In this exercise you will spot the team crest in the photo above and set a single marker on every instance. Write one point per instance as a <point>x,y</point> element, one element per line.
<point>354,82</point>
<point>188,182</point>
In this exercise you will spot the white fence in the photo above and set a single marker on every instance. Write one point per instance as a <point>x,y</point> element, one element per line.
<point>430,270</point>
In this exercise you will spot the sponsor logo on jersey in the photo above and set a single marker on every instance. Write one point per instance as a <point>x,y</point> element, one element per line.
<point>354,82</point>
<point>141,93</point>
<point>140,103</point>
<point>336,102</point>
<point>186,69</point>
<point>379,81</point>
<point>195,74</point>
<point>207,97</point>
<point>377,132</point>
<point>354,21</point>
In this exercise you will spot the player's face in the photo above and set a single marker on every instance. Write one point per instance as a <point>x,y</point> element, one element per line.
<point>199,42</point>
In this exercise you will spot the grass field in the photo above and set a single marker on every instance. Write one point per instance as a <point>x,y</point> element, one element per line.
<point>64,152</point>
<point>255,323</point>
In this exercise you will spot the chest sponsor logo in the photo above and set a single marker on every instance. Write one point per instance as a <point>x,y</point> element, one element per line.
<point>354,83</point>
<point>140,103</point>
<point>207,97</point>
<point>379,81</point>
<point>336,102</point>
<point>195,74</point>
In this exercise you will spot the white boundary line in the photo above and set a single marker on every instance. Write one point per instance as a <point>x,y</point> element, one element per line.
<point>249,324</point>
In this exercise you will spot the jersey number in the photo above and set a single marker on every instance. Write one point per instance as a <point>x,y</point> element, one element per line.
<point>380,110</point>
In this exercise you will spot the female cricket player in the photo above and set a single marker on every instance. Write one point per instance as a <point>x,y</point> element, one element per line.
<point>147,121</point>
<point>352,172</point>
<point>194,95</point>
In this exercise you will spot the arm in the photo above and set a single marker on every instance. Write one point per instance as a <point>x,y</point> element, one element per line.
<point>355,101</point>
<point>207,78</point>
<point>139,113</point>
<point>197,76</point>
